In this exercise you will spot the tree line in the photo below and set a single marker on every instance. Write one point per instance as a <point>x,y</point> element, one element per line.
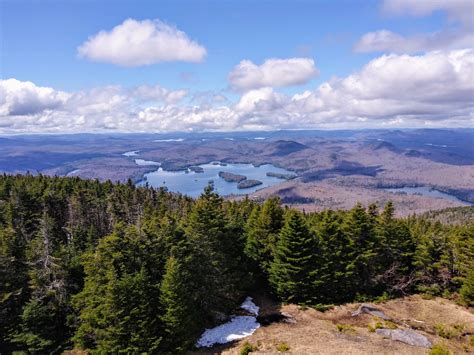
<point>111,267</point>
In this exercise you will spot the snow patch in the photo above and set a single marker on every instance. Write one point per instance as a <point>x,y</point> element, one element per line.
<point>72,173</point>
<point>437,145</point>
<point>249,306</point>
<point>133,153</point>
<point>237,328</point>
<point>169,140</point>
<point>146,162</point>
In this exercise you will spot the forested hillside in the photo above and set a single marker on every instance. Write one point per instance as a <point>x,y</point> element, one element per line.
<point>113,267</point>
<point>454,215</point>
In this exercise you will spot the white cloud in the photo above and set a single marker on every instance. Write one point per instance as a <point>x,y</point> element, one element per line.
<point>159,93</point>
<point>24,98</point>
<point>260,101</point>
<point>457,36</point>
<point>433,77</point>
<point>136,43</point>
<point>272,73</point>
<point>458,10</point>
<point>387,41</point>
<point>430,90</point>
<point>434,86</point>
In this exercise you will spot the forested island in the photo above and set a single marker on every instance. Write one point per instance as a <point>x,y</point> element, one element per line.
<point>241,180</point>
<point>112,267</point>
<point>231,177</point>
<point>282,176</point>
<point>248,183</point>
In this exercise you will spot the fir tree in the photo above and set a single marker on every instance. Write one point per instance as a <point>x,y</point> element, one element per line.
<point>262,230</point>
<point>333,279</point>
<point>359,230</point>
<point>292,270</point>
<point>209,250</point>
<point>134,269</point>
<point>467,289</point>
<point>179,317</point>
<point>117,306</point>
<point>395,249</point>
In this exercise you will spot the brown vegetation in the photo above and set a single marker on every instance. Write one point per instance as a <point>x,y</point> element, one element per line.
<point>337,332</point>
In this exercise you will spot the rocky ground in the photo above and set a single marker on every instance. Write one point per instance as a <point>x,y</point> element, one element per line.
<point>440,322</point>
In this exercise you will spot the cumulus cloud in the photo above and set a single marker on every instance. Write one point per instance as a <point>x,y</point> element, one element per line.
<point>260,100</point>
<point>457,36</point>
<point>159,93</point>
<point>272,73</point>
<point>25,98</point>
<point>430,90</point>
<point>136,43</point>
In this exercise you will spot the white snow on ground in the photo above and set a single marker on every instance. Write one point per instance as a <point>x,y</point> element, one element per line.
<point>437,145</point>
<point>146,162</point>
<point>237,328</point>
<point>249,306</point>
<point>74,172</point>
<point>133,153</point>
<point>169,140</point>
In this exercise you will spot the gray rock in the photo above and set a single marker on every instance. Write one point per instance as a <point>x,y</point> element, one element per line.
<point>268,319</point>
<point>406,336</point>
<point>220,317</point>
<point>369,309</point>
<point>288,318</point>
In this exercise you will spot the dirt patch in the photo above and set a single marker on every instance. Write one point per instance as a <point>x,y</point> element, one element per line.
<point>338,332</point>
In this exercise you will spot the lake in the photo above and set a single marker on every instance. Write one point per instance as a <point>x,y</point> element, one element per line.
<point>192,184</point>
<point>426,191</point>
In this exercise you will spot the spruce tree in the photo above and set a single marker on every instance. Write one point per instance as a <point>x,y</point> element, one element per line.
<point>210,251</point>
<point>262,230</point>
<point>395,248</point>
<point>467,289</point>
<point>179,315</point>
<point>333,279</point>
<point>359,230</point>
<point>14,290</point>
<point>292,269</point>
<point>117,308</point>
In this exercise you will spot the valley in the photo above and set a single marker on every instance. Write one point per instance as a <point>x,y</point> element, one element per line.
<point>310,170</point>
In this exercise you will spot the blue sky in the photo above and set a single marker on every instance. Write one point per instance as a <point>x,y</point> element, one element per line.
<point>41,38</point>
<point>40,41</point>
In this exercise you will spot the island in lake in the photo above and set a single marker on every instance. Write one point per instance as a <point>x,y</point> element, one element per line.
<point>241,180</point>
<point>245,184</point>
<point>231,177</point>
<point>196,169</point>
<point>281,176</point>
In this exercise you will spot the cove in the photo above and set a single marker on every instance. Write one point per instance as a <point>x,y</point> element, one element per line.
<point>192,183</point>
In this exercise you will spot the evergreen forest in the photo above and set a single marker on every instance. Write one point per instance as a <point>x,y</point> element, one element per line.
<point>112,267</point>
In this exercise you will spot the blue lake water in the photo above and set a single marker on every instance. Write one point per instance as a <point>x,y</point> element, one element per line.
<point>192,184</point>
<point>426,191</point>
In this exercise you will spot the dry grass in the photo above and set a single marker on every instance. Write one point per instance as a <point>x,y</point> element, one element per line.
<point>318,333</point>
